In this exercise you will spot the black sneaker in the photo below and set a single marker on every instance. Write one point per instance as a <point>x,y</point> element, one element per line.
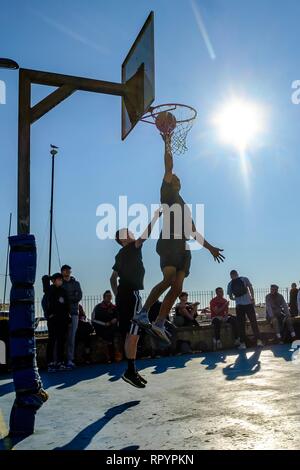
<point>133,379</point>
<point>142,379</point>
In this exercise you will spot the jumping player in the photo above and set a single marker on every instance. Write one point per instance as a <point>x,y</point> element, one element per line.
<point>175,255</point>
<point>130,271</point>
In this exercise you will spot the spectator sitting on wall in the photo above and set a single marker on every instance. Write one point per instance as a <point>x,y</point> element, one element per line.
<point>293,300</point>
<point>75,295</point>
<point>219,314</point>
<point>58,313</point>
<point>185,312</point>
<point>105,322</point>
<point>83,334</point>
<point>278,313</point>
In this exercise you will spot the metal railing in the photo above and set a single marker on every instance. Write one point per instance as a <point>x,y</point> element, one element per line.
<point>204,297</point>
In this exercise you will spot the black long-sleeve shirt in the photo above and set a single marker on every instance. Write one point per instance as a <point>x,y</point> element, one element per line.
<point>58,303</point>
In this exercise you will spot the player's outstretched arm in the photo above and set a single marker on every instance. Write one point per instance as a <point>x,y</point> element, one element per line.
<point>114,282</point>
<point>168,158</point>
<point>215,252</point>
<point>147,232</point>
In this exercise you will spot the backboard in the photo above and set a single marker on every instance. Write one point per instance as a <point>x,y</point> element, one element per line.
<point>138,76</point>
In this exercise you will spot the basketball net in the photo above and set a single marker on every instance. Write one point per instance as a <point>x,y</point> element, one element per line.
<point>185,117</point>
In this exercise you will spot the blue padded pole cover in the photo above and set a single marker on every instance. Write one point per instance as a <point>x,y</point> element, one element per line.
<point>30,394</point>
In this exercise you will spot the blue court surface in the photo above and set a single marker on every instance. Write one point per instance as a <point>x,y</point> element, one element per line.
<point>222,400</point>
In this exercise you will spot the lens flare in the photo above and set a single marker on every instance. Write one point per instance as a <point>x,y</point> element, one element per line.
<point>239,123</point>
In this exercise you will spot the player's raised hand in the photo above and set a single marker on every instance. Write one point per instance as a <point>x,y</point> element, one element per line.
<point>166,137</point>
<point>216,253</point>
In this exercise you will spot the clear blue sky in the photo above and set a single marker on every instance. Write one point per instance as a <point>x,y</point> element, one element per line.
<point>255,43</point>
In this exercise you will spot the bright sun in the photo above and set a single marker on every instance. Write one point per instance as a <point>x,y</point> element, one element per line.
<point>238,123</point>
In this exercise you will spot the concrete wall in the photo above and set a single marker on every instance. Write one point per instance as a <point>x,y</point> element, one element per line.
<point>200,339</point>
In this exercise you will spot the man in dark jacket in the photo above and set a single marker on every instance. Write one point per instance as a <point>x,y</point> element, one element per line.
<point>74,292</point>
<point>105,317</point>
<point>58,320</point>
<point>105,322</point>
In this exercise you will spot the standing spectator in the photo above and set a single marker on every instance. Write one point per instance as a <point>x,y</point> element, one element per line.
<point>278,313</point>
<point>293,300</point>
<point>186,312</point>
<point>58,320</point>
<point>83,334</point>
<point>219,314</point>
<point>75,295</point>
<point>241,291</point>
<point>45,300</point>
<point>105,322</point>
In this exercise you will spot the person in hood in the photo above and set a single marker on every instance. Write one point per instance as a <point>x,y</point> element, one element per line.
<point>58,311</point>
<point>73,289</point>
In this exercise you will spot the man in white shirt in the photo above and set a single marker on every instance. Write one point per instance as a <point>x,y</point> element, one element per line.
<point>241,291</point>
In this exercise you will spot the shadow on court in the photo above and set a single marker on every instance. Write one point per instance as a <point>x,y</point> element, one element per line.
<point>84,437</point>
<point>212,359</point>
<point>66,379</point>
<point>70,378</point>
<point>160,365</point>
<point>243,365</point>
<point>282,350</point>
<point>7,387</point>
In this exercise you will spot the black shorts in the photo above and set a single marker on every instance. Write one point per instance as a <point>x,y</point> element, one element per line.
<point>128,303</point>
<point>174,253</point>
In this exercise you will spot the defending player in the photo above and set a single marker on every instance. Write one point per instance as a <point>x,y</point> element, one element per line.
<point>130,271</point>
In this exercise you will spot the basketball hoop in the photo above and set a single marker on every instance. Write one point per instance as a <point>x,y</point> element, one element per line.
<point>175,120</point>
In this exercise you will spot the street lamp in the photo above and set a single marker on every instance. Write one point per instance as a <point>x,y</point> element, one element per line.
<point>8,64</point>
<point>53,152</point>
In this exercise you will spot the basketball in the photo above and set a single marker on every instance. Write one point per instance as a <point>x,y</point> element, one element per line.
<point>165,122</point>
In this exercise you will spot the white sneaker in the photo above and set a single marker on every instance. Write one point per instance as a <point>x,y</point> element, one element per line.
<point>141,318</point>
<point>242,346</point>
<point>160,332</point>
<point>237,342</point>
<point>259,343</point>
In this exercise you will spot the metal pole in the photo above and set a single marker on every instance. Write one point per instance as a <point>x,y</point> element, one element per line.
<point>24,155</point>
<point>7,258</point>
<point>53,153</point>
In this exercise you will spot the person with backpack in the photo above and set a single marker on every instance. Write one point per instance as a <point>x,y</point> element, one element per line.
<point>241,291</point>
